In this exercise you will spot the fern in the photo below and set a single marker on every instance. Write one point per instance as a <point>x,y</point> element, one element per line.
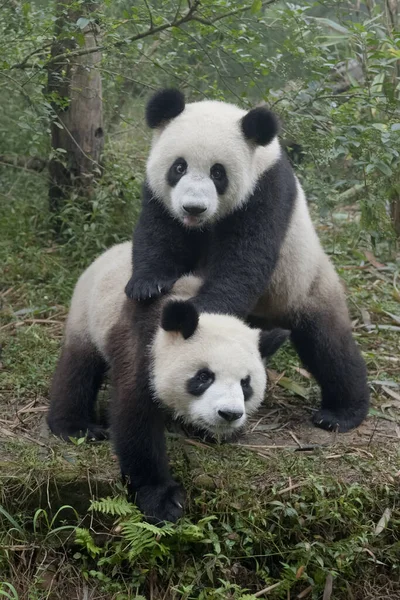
<point>83,538</point>
<point>143,537</point>
<point>118,506</point>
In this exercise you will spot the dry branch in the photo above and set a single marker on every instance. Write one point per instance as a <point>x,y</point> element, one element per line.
<point>30,163</point>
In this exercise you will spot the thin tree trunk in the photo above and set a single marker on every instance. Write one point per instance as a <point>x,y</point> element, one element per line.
<point>74,87</point>
<point>392,11</point>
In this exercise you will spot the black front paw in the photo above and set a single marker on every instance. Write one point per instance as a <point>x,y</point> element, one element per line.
<point>160,503</point>
<point>144,290</point>
<point>339,421</point>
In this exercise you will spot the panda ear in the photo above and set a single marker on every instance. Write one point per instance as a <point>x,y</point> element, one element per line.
<point>164,106</point>
<point>260,126</point>
<point>271,341</point>
<point>180,316</point>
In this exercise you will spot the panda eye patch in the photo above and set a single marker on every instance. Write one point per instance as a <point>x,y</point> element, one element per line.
<point>176,171</point>
<point>198,384</point>
<point>219,177</point>
<point>246,387</point>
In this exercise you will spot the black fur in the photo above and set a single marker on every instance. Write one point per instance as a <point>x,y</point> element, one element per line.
<point>76,382</point>
<point>137,420</point>
<point>260,126</point>
<point>198,384</point>
<point>173,176</point>
<point>325,345</point>
<point>219,177</point>
<point>181,317</point>
<point>163,250</point>
<point>271,341</point>
<point>164,106</point>
<point>237,256</point>
<point>247,388</point>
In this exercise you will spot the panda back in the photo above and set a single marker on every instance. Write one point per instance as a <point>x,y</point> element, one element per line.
<point>99,297</point>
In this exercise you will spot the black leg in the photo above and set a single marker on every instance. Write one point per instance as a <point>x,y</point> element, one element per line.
<point>76,382</point>
<point>139,439</point>
<point>326,347</point>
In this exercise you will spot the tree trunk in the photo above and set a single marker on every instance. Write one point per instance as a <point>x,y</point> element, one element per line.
<point>74,87</point>
<point>392,13</point>
<point>395,210</point>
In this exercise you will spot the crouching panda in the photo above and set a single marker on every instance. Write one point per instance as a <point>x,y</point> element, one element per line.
<point>221,199</point>
<point>205,368</point>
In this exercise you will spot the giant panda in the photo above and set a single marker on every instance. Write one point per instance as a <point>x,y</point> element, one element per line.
<point>207,369</point>
<point>221,199</point>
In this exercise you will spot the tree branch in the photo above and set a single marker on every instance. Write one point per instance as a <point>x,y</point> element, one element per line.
<point>29,163</point>
<point>190,15</point>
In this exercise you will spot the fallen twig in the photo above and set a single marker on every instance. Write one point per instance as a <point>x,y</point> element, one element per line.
<point>267,589</point>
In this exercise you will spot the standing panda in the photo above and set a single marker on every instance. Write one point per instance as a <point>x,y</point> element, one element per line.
<point>221,199</point>
<point>206,369</point>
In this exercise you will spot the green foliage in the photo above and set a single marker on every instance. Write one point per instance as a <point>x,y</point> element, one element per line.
<point>283,54</point>
<point>117,506</point>
<point>7,590</point>
<point>325,528</point>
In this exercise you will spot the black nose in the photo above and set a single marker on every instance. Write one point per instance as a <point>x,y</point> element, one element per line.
<point>230,415</point>
<point>194,210</point>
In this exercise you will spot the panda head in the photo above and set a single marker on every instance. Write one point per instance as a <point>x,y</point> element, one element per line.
<point>207,156</point>
<point>208,368</point>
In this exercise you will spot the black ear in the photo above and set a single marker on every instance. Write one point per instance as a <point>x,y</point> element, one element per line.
<point>180,316</point>
<point>260,126</point>
<point>164,106</point>
<point>271,341</point>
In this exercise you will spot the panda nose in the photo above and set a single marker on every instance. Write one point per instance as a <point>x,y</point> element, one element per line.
<point>194,209</point>
<point>230,415</point>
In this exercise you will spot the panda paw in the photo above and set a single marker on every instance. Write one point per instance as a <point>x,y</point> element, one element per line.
<point>331,421</point>
<point>161,503</point>
<point>141,289</point>
<point>66,431</point>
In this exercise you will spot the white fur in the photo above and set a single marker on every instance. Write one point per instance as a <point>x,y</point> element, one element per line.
<point>99,296</point>
<point>301,259</point>
<point>206,133</point>
<point>222,343</point>
<point>194,189</point>
<point>226,346</point>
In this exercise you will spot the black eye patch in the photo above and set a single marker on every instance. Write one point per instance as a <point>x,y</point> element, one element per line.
<point>198,384</point>
<point>246,387</point>
<point>176,171</point>
<point>219,177</point>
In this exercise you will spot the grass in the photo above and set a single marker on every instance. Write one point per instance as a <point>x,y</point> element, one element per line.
<point>285,513</point>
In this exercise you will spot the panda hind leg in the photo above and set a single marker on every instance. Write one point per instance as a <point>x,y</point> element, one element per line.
<point>76,382</point>
<point>325,344</point>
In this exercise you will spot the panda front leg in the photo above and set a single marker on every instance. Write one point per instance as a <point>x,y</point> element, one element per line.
<point>325,344</point>
<point>139,441</point>
<point>76,382</point>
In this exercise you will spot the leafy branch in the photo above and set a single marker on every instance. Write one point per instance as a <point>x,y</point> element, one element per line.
<point>190,15</point>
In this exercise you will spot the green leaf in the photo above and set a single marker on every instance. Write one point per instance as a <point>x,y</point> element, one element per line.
<point>395,127</point>
<point>384,168</point>
<point>82,22</point>
<point>26,9</point>
<point>377,413</point>
<point>256,6</point>
<point>379,126</point>
<point>333,25</point>
<point>11,520</point>
<point>294,387</point>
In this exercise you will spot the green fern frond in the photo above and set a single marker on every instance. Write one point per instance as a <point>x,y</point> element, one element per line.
<point>117,506</point>
<point>83,538</point>
<point>165,531</point>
